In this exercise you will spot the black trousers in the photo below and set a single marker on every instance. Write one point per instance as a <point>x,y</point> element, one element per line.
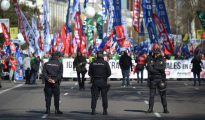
<point>81,82</point>
<point>154,85</point>
<point>52,89</point>
<point>95,91</point>
<point>27,75</point>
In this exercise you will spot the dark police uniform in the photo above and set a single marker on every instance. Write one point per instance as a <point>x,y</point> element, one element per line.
<point>52,70</point>
<point>99,71</point>
<point>157,80</point>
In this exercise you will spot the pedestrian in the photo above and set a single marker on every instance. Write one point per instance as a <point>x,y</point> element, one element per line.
<point>125,63</point>
<point>52,73</point>
<point>27,68</point>
<point>99,71</point>
<point>35,64</point>
<point>156,69</point>
<point>141,61</point>
<point>196,68</point>
<point>79,63</point>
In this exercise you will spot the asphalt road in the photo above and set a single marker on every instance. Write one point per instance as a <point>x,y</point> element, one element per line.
<point>26,102</point>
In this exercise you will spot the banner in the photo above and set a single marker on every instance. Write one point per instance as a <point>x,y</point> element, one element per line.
<point>147,11</point>
<point>174,69</point>
<point>201,15</point>
<point>14,32</point>
<point>164,35</point>
<point>117,11</point>
<point>6,34</point>
<point>162,14</point>
<point>136,15</point>
<point>46,26</point>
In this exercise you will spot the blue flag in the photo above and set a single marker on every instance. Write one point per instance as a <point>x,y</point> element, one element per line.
<point>151,28</point>
<point>162,13</point>
<point>117,12</point>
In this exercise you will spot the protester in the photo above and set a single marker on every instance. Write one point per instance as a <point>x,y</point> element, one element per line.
<point>79,63</point>
<point>12,62</point>
<point>99,71</point>
<point>35,64</point>
<point>52,73</point>
<point>1,69</point>
<point>196,68</point>
<point>141,61</point>
<point>27,68</point>
<point>125,63</point>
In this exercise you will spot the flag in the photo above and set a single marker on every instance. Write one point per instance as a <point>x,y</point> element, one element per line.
<point>136,15</point>
<point>6,34</point>
<point>46,26</point>
<point>163,34</point>
<point>117,11</point>
<point>104,8</point>
<point>85,3</point>
<point>162,14</point>
<point>201,16</point>
<point>75,8</point>
<point>147,11</point>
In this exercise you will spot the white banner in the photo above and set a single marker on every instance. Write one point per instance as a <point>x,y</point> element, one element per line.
<point>174,69</point>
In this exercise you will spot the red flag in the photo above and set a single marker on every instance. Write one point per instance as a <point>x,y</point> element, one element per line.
<point>6,34</point>
<point>163,34</point>
<point>136,15</point>
<point>40,42</point>
<point>21,25</point>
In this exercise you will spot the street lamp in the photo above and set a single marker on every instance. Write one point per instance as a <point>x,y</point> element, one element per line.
<point>89,12</point>
<point>5,5</point>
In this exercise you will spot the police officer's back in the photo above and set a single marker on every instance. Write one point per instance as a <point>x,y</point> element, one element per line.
<point>99,71</point>
<point>52,73</point>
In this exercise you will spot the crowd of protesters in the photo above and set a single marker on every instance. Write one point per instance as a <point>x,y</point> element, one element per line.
<point>9,64</point>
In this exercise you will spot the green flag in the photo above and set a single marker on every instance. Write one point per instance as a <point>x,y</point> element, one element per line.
<point>90,35</point>
<point>99,26</point>
<point>201,15</point>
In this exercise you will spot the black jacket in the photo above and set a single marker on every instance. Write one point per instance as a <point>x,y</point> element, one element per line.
<point>156,68</point>
<point>53,69</point>
<point>79,63</point>
<point>99,69</point>
<point>196,68</point>
<point>125,62</point>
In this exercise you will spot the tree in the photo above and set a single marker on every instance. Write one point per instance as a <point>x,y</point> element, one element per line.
<point>11,14</point>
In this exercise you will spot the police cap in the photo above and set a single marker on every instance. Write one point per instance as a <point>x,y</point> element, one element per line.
<point>100,54</point>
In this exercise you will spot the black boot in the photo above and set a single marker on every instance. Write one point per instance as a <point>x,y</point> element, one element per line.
<point>104,111</point>
<point>165,110</point>
<point>150,110</point>
<point>47,111</point>
<point>93,112</point>
<point>58,112</point>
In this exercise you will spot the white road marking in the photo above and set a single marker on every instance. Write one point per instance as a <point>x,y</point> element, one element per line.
<point>44,116</point>
<point>146,102</point>
<point>65,93</point>
<point>138,92</point>
<point>134,87</point>
<point>76,83</point>
<point>3,91</point>
<point>157,114</point>
<point>196,88</point>
<point>185,84</point>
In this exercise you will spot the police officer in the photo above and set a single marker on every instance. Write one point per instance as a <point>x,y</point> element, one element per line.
<point>52,73</point>
<point>157,79</point>
<point>99,71</point>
